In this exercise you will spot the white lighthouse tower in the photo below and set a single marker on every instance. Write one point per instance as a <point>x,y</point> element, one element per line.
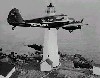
<point>50,46</point>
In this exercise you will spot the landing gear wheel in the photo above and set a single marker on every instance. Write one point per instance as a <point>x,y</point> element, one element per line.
<point>70,31</point>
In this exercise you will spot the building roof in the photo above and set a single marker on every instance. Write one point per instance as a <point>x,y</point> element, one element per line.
<point>49,61</point>
<point>5,68</point>
<point>96,65</point>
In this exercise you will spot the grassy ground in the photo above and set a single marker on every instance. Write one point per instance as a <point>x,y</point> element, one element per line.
<point>66,70</point>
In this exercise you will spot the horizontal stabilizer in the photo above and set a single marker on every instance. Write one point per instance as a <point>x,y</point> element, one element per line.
<point>82,20</point>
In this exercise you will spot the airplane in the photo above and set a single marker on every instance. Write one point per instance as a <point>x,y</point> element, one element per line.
<point>52,21</point>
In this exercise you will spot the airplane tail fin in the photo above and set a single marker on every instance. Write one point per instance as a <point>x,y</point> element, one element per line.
<point>14,17</point>
<point>82,20</point>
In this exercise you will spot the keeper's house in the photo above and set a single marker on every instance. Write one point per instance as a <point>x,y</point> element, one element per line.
<point>6,70</point>
<point>96,69</point>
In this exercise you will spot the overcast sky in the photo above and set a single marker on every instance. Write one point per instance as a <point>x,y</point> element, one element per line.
<point>88,39</point>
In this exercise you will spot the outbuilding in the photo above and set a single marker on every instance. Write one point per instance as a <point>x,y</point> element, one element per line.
<point>96,69</point>
<point>46,65</point>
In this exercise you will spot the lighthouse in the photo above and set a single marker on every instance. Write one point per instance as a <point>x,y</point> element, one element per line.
<point>51,23</point>
<point>50,46</point>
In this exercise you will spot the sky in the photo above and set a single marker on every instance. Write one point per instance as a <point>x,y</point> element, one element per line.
<point>85,40</point>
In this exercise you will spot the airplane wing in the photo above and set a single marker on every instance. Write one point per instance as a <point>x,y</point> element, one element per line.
<point>69,21</point>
